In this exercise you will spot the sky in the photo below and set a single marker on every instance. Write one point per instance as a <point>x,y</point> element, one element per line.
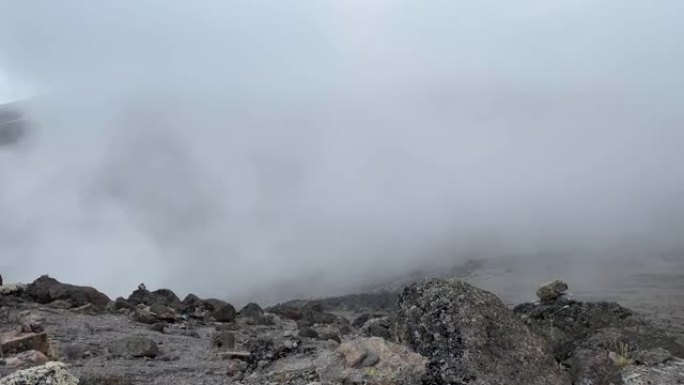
<point>256,149</point>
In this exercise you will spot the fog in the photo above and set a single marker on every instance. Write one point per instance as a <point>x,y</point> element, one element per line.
<point>263,149</point>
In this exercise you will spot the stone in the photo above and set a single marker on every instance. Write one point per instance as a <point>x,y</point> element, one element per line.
<point>469,336</point>
<point>135,347</point>
<point>52,373</point>
<point>17,342</point>
<point>251,310</point>
<point>235,367</point>
<point>307,332</point>
<point>161,297</point>
<point>550,291</point>
<point>46,290</point>
<point>371,361</point>
<point>224,313</point>
<point>144,315</point>
<point>26,359</point>
<point>653,357</point>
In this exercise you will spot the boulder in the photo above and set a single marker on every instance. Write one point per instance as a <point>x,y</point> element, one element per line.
<point>469,336</point>
<point>26,359</point>
<point>52,373</point>
<point>371,361</point>
<point>224,313</point>
<point>254,314</point>
<point>46,290</point>
<point>653,357</point>
<point>135,347</point>
<point>568,325</point>
<point>377,327</point>
<point>161,297</point>
<point>551,291</point>
<point>17,342</point>
<point>251,310</point>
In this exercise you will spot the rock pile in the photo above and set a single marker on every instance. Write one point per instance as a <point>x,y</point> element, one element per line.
<point>439,332</point>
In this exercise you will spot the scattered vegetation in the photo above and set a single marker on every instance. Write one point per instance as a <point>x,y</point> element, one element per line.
<point>622,354</point>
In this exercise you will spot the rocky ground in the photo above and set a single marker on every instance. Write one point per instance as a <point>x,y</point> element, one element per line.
<point>436,331</point>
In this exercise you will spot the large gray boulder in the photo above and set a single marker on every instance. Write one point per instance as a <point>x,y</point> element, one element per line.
<point>470,337</point>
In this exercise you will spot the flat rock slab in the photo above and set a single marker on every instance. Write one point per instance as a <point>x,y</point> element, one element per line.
<point>13,343</point>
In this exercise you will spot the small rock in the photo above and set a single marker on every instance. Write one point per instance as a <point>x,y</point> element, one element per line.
<point>159,327</point>
<point>236,367</point>
<point>653,357</point>
<point>550,291</point>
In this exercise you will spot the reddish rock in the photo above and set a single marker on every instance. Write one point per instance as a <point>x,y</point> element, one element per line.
<point>27,359</point>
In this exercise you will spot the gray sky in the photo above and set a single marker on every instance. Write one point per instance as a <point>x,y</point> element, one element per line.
<point>222,147</point>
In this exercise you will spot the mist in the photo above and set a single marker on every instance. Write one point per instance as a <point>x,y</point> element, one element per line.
<point>229,148</point>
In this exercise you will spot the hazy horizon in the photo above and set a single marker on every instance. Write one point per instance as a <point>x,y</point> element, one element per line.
<point>225,148</point>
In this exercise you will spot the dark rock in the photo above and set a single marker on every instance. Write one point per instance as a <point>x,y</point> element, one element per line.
<point>134,346</point>
<point>103,379</point>
<point>251,310</point>
<point>569,324</point>
<point>161,297</point>
<point>361,320</point>
<point>470,337</point>
<point>287,311</point>
<point>224,340</point>
<point>45,290</point>
<point>265,350</point>
<point>121,303</point>
<point>224,313</point>
<point>594,367</point>
<point>191,301</point>
<point>254,314</point>
<point>159,327</point>
<point>378,328</point>
<point>307,332</point>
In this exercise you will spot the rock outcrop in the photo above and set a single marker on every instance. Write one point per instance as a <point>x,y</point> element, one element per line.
<point>46,290</point>
<point>470,337</point>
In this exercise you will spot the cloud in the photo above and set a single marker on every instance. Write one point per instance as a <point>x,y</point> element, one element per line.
<point>229,147</point>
